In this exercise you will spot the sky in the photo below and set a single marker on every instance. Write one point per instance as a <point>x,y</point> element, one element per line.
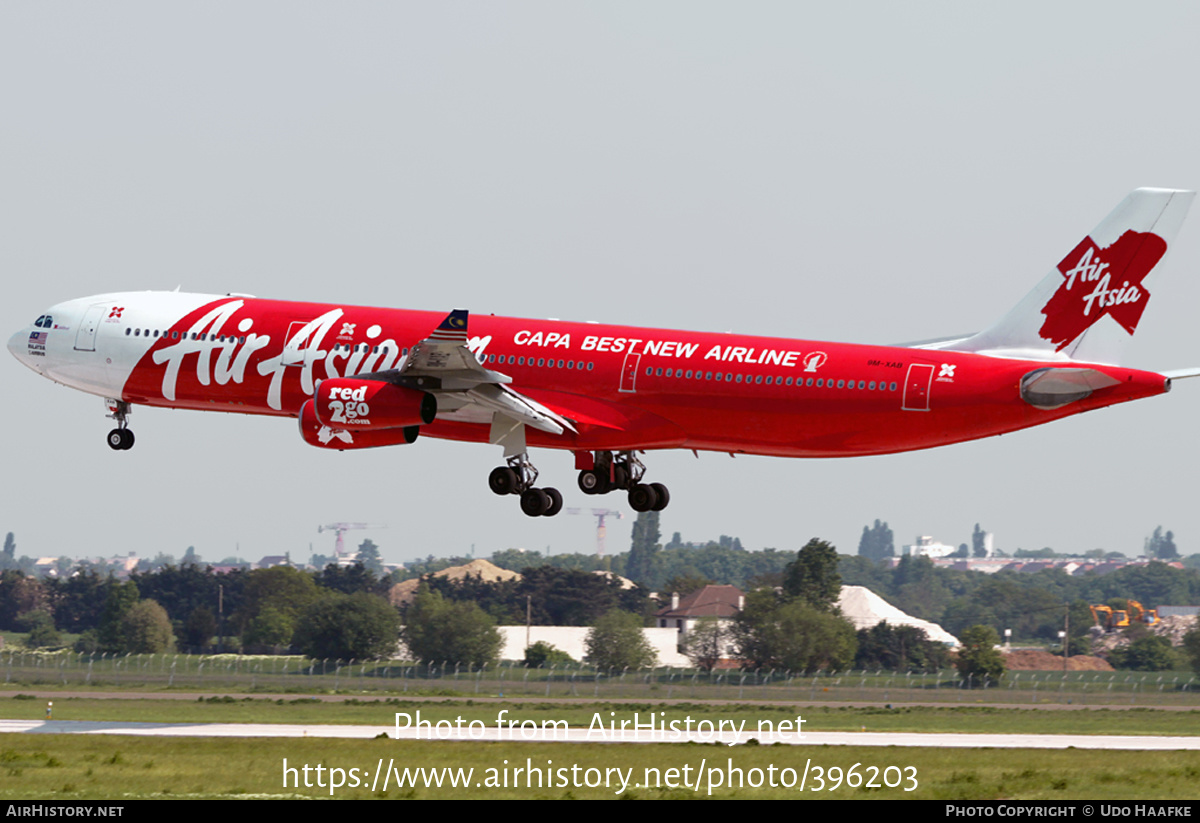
<point>861,172</point>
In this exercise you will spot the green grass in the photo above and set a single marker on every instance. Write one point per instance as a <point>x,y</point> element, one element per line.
<point>73,767</point>
<point>291,675</point>
<point>68,767</point>
<point>381,712</point>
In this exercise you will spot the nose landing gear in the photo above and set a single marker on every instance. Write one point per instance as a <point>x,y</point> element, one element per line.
<point>120,438</point>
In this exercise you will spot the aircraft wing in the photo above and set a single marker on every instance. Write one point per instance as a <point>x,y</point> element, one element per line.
<point>465,389</point>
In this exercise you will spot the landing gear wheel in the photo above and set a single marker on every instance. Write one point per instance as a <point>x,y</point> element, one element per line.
<point>556,502</point>
<point>502,480</point>
<point>664,496</point>
<point>591,482</point>
<point>120,439</point>
<point>620,477</point>
<point>535,502</point>
<point>643,498</point>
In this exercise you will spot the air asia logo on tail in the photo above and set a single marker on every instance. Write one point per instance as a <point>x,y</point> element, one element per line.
<point>1099,281</point>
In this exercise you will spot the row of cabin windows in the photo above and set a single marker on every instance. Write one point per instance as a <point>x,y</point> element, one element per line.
<point>540,362</point>
<point>229,338</point>
<point>770,379</point>
<point>175,335</point>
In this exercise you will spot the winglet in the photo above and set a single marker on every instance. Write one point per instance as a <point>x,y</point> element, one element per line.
<point>453,328</point>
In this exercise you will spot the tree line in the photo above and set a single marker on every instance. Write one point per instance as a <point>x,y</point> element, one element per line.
<point>339,612</point>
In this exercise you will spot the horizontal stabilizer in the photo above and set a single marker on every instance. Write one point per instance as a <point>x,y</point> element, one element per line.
<point>1180,374</point>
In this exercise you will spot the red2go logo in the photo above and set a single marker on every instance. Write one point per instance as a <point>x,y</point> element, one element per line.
<point>348,406</point>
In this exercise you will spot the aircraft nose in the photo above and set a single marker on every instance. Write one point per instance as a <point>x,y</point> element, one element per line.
<point>17,345</point>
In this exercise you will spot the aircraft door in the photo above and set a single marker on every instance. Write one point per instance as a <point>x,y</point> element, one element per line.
<point>916,387</point>
<point>293,354</point>
<point>629,372</point>
<point>85,338</point>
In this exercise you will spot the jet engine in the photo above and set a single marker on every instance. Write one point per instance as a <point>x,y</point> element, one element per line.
<point>316,433</point>
<point>371,405</point>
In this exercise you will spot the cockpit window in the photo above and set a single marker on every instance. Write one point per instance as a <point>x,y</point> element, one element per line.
<point>43,322</point>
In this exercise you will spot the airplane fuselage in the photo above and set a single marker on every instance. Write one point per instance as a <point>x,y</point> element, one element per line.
<point>622,388</point>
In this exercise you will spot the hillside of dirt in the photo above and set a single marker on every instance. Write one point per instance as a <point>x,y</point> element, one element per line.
<point>1028,660</point>
<point>403,593</point>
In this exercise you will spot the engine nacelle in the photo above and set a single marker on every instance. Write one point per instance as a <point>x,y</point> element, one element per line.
<point>371,405</point>
<point>316,433</point>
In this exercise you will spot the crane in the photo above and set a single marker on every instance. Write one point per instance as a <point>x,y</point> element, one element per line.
<point>341,529</point>
<point>601,530</point>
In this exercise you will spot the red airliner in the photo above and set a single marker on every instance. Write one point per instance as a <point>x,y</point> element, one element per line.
<point>358,377</point>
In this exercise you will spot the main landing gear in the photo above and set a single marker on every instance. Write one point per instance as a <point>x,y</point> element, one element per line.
<point>623,471</point>
<point>120,438</point>
<point>518,477</point>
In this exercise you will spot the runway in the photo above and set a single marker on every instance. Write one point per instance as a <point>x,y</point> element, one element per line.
<point>583,735</point>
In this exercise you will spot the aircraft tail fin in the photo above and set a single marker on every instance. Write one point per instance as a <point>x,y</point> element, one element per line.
<point>1088,307</point>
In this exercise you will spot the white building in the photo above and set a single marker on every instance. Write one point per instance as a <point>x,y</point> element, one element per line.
<point>926,546</point>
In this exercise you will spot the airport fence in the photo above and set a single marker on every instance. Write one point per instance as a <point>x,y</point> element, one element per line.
<point>283,674</point>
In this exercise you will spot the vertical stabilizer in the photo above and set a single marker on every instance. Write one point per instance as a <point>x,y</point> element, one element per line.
<point>1090,305</point>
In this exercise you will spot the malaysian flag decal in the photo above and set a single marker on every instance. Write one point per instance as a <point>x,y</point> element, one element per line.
<point>453,328</point>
